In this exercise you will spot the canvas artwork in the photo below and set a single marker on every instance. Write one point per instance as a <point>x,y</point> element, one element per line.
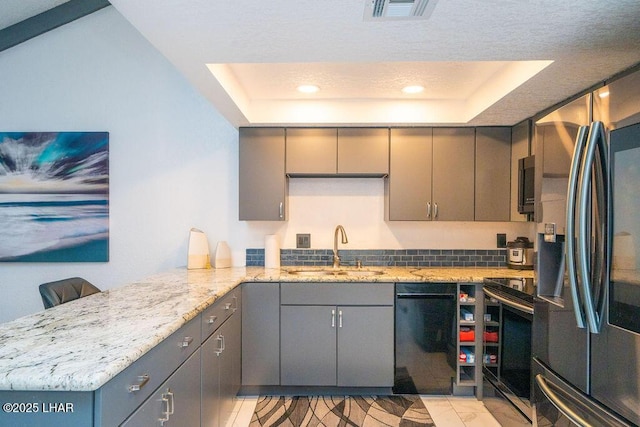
<point>54,196</point>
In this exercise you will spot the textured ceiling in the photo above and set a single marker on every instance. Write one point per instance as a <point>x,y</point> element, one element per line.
<point>468,54</point>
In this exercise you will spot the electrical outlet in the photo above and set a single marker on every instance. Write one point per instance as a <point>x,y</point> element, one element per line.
<point>501,240</point>
<point>303,241</point>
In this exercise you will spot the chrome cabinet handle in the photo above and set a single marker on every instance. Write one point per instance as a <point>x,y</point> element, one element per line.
<point>435,211</point>
<point>235,303</point>
<point>227,306</point>
<point>167,399</point>
<point>340,318</point>
<point>165,413</point>
<point>428,210</point>
<point>281,210</point>
<point>171,401</point>
<point>333,318</point>
<point>221,348</point>
<point>142,381</point>
<point>186,341</point>
<point>212,320</point>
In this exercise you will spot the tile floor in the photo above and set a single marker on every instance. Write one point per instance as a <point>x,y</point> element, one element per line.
<point>446,411</point>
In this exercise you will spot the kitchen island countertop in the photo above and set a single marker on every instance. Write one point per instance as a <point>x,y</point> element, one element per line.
<point>81,345</point>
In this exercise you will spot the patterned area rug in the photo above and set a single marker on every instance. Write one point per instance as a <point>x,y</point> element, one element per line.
<point>339,411</point>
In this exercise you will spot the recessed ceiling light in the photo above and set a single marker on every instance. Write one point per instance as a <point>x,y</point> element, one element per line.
<point>308,88</point>
<point>413,89</point>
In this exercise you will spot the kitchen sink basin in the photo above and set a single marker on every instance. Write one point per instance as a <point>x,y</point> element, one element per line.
<point>363,272</point>
<point>317,272</point>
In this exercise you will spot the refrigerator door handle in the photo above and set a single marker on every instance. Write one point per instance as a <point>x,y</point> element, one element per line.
<point>558,402</point>
<point>596,132</point>
<point>570,255</point>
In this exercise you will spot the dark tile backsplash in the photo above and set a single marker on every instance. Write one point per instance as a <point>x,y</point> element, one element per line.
<point>387,257</point>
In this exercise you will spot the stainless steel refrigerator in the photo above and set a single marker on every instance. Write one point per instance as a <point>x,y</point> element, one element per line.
<point>586,326</point>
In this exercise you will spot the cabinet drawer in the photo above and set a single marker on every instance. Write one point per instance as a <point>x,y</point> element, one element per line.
<point>218,312</point>
<point>307,293</point>
<point>117,399</point>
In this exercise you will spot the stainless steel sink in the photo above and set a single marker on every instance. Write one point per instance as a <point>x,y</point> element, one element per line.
<point>363,272</point>
<point>328,272</point>
<point>316,272</point>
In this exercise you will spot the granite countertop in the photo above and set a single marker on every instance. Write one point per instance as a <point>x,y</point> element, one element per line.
<point>81,345</point>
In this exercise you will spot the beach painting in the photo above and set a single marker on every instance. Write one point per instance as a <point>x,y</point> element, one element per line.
<point>54,196</point>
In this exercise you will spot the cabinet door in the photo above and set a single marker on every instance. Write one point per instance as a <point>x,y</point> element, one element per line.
<point>363,151</point>
<point>308,345</point>
<point>409,182</point>
<point>211,351</point>
<point>520,140</point>
<point>177,400</point>
<point>453,174</point>
<point>365,346</point>
<point>493,167</point>
<point>312,151</point>
<point>230,376</point>
<point>262,174</point>
<point>261,334</point>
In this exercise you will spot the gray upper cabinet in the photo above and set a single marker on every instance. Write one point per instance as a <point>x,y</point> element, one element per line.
<point>453,174</point>
<point>431,174</point>
<point>363,151</point>
<point>493,170</point>
<point>520,141</point>
<point>262,174</point>
<point>312,151</point>
<point>409,183</point>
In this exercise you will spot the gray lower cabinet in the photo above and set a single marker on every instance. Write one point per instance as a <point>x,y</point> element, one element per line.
<point>262,177</point>
<point>337,334</point>
<point>308,349</point>
<point>221,372</point>
<point>365,346</point>
<point>260,334</point>
<point>337,346</point>
<point>187,380</point>
<point>176,402</point>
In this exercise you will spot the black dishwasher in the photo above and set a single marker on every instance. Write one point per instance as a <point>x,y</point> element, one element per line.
<point>425,340</point>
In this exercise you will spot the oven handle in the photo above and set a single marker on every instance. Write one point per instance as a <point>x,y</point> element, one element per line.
<point>558,403</point>
<point>505,301</point>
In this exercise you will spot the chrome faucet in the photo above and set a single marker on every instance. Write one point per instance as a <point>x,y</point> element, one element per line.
<point>336,258</point>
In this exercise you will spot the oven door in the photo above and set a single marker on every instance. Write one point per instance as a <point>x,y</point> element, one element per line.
<point>507,362</point>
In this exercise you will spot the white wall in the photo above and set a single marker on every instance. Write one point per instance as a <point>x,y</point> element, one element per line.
<point>317,205</point>
<point>173,158</point>
<point>174,164</point>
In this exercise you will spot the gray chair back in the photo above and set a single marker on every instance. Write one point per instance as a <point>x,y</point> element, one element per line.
<point>65,290</point>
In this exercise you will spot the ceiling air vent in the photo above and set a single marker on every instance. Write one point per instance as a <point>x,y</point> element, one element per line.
<point>398,9</point>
